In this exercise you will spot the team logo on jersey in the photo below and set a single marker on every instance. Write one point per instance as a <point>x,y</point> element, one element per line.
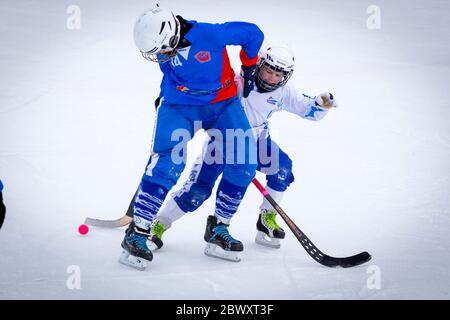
<point>275,102</point>
<point>272,101</point>
<point>203,56</point>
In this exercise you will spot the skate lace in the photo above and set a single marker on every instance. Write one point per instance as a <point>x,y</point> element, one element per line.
<point>269,219</point>
<point>139,240</point>
<point>222,231</point>
<point>158,229</point>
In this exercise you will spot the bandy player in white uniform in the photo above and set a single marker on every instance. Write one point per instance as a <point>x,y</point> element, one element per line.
<point>271,94</point>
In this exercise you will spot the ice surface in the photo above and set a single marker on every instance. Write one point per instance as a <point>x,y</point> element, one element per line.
<point>76,118</point>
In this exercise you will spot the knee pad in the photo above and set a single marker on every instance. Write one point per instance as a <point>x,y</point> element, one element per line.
<point>283,178</point>
<point>190,200</point>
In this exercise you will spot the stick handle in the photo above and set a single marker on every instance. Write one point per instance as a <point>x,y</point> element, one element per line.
<point>260,187</point>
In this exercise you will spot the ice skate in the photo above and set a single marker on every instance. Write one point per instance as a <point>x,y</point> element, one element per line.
<point>132,261</point>
<point>155,239</point>
<point>220,244</point>
<point>135,253</point>
<point>269,232</point>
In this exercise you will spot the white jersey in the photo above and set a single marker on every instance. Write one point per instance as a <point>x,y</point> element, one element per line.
<point>259,107</point>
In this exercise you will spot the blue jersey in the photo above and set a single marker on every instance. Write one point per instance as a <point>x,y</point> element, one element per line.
<point>1,186</point>
<point>201,73</point>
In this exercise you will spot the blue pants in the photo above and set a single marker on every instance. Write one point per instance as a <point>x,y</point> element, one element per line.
<point>175,126</point>
<point>203,177</point>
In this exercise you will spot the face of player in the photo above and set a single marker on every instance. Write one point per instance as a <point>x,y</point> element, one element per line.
<point>270,76</point>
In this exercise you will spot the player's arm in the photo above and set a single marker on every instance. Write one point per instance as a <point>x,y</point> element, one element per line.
<point>244,34</point>
<point>307,107</point>
<point>250,38</point>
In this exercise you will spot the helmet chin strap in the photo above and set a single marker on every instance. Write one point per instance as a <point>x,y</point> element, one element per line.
<point>262,89</point>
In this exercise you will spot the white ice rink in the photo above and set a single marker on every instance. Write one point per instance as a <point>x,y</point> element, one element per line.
<point>76,118</point>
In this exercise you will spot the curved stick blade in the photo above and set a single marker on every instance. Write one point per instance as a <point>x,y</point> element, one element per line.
<point>121,222</point>
<point>346,262</point>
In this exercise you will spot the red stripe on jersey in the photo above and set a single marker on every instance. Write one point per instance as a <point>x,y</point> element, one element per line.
<point>246,61</point>
<point>228,88</point>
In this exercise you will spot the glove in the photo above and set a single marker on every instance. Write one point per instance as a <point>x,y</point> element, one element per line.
<point>248,73</point>
<point>326,101</point>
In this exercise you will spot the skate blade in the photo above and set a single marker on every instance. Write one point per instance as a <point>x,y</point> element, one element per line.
<point>215,251</point>
<point>264,240</point>
<point>132,261</point>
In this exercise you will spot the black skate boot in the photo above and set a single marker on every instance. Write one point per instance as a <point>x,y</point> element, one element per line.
<point>269,232</point>
<point>156,232</point>
<point>136,253</point>
<point>220,243</point>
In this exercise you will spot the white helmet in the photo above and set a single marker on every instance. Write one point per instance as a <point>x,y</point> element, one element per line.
<point>157,29</point>
<point>278,58</point>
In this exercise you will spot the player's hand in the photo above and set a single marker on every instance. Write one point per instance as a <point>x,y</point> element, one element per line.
<point>326,101</point>
<point>248,73</point>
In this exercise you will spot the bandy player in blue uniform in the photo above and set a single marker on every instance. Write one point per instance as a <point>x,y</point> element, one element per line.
<point>197,86</point>
<point>271,94</point>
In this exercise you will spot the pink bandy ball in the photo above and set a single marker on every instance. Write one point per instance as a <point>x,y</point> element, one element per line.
<point>83,229</point>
